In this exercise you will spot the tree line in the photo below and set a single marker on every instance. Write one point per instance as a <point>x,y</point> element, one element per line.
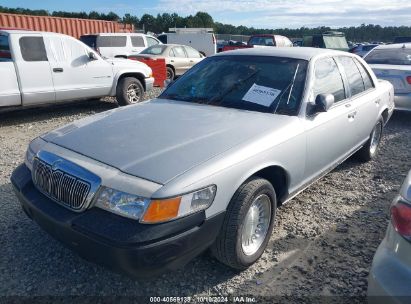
<point>162,22</point>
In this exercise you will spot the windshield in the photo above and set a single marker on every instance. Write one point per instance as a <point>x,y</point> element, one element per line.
<point>255,83</point>
<point>400,56</point>
<point>154,50</point>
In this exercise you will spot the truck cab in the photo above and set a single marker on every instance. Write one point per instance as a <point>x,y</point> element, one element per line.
<point>41,67</point>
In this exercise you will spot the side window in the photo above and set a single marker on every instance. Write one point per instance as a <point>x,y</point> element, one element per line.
<point>171,53</point>
<point>192,53</point>
<point>112,41</point>
<point>5,54</point>
<point>366,78</point>
<point>33,49</point>
<point>137,41</point>
<point>151,41</point>
<point>179,52</point>
<point>353,75</point>
<point>76,52</point>
<point>328,79</point>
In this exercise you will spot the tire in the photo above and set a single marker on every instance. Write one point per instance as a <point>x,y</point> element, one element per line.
<point>370,150</point>
<point>124,90</point>
<point>229,247</point>
<point>170,73</point>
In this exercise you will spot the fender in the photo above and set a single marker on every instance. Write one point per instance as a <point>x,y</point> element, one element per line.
<point>136,72</point>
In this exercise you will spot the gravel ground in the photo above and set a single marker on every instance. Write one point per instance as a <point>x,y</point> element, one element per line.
<point>322,245</point>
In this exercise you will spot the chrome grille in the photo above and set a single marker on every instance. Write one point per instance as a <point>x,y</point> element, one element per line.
<point>60,186</point>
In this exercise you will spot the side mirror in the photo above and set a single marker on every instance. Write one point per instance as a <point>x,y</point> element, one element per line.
<point>323,102</point>
<point>92,56</point>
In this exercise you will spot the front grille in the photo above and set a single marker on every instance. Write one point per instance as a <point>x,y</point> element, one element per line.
<point>60,186</point>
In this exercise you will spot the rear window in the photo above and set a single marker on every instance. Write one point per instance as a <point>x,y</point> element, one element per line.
<point>402,39</point>
<point>137,41</point>
<point>267,41</point>
<point>162,38</point>
<point>335,42</point>
<point>33,49</point>
<point>400,56</point>
<point>111,41</point>
<point>89,40</point>
<point>5,54</point>
<point>154,50</point>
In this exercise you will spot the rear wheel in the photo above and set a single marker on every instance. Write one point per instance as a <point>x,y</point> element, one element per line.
<point>247,226</point>
<point>170,73</point>
<point>370,150</point>
<point>129,91</point>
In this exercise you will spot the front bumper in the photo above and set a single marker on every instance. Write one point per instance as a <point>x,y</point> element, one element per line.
<point>402,102</point>
<point>119,243</point>
<point>390,276</point>
<point>149,83</point>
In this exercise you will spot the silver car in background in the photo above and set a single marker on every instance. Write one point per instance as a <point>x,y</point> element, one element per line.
<point>179,58</point>
<point>390,276</point>
<point>392,62</point>
<point>208,162</point>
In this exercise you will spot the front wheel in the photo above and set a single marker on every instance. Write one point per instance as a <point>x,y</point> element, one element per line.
<point>370,150</point>
<point>129,91</point>
<point>247,226</point>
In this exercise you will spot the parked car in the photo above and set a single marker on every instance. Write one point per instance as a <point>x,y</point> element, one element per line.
<point>390,276</point>
<point>207,163</point>
<point>328,40</point>
<point>179,58</point>
<point>362,50</point>
<point>40,68</point>
<point>261,40</point>
<point>392,62</point>
<point>201,39</point>
<point>119,45</point>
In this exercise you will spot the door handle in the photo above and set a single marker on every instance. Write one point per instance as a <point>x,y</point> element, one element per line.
<point>171,60</point>
<point>58,70</point>
<point>352,114</point>
<point>191,60</point>
<point>348,105</point>
<point>377,102</point>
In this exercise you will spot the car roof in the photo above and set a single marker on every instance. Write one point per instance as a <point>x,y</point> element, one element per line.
<point>115,34</point>
<point>406,45</point>
<point>305,53</point>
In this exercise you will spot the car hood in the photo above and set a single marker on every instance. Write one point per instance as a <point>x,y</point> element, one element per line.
<point>121,64</point>
<point>161,139</point>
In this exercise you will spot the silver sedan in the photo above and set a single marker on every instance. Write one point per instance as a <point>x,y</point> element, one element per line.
<point>393,63</point>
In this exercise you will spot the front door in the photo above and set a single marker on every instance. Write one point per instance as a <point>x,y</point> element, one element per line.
<point>179,59</point>
<point>75,75</point>
<point>331,134</point>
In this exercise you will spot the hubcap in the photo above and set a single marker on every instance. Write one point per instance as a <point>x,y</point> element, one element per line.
<point>169,75</point>
<point>133,93</point>
<point>256,224</point>
<point>375,138</point>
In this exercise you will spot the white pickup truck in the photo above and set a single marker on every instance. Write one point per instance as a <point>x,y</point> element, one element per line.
<point>41,68</point>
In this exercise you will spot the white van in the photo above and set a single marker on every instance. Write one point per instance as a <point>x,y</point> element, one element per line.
<point>119,45</point>
<point>201,39</point>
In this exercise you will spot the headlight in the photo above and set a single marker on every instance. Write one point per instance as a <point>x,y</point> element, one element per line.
<point>156,210</point>
<point>122,203</point>
<point>34,147</point>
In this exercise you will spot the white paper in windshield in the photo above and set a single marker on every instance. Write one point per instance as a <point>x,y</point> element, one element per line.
<point>261,95</point>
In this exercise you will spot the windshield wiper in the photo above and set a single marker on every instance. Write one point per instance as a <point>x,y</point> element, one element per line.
<point>236,85</point>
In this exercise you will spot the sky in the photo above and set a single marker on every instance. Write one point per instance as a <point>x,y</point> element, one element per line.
<point>256,13</point>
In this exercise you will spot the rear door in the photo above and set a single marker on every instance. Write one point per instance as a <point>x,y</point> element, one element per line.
<point>75,75</point>
<point>179,59</point>
<point>9,86</point>
<point>329,134</point>
<point>194,56</point>
<point>33,68</point>
<point>364,99</point>
<point>137,44</point>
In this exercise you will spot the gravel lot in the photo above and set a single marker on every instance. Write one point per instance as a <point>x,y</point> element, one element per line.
<point>323,242</point>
